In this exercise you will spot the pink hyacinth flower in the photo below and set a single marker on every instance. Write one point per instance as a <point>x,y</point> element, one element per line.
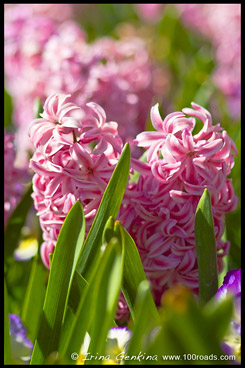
<point>74,160</point>
<point>159,208</point>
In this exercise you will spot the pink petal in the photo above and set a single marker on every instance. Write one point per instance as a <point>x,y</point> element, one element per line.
<point>210,148</point>
<point>156,118</point>
<point>174,145</point>
<point>146,139</point>
<point>99,111</point>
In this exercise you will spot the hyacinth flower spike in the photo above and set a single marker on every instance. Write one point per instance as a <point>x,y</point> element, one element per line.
<point>159,208</point>
<point>74,160</point>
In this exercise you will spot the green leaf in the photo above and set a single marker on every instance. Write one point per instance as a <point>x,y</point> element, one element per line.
<point>107,297</point>
<point>100,294</point>
<point>144,321</point>
<point>133,275</point>
<point>7,345</point>
<point>222,274</point>
<point>8,109</point>
<point>219,316</point>
<point>77,288</point>
<point>133,272</point>
<point>108,231</point>
<point>66,327</point>
<point>109,206</point>
<point>206,249</point>
<point>64,261</point>
<point>34,298</point>
<point>15,223</point>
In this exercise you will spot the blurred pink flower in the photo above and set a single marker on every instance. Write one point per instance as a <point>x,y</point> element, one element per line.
<point>44,56</point>
<point>58,12</point>
<point>149,12</point>
<point>74,160</point>
<point>211,20</point>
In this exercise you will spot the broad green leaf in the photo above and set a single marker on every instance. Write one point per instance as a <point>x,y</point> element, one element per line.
<point>107,298</point>
<point>144,321</point>
<point>64,261</point>
<point>133,272</point>
<point>91,300</point>
<point>66,327</point>
<point>206,249</point>
<point>109,206</point>
<point>77,288</point>
<point>133,275</point>
<point>34,298</point>
<point>7,345</point>
<point>15,223</point>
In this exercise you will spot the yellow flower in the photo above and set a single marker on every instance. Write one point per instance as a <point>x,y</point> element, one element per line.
<point>27,249</point>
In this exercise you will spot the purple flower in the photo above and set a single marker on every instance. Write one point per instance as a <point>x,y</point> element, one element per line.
<point>21,346</point>
<point>232,287</point>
